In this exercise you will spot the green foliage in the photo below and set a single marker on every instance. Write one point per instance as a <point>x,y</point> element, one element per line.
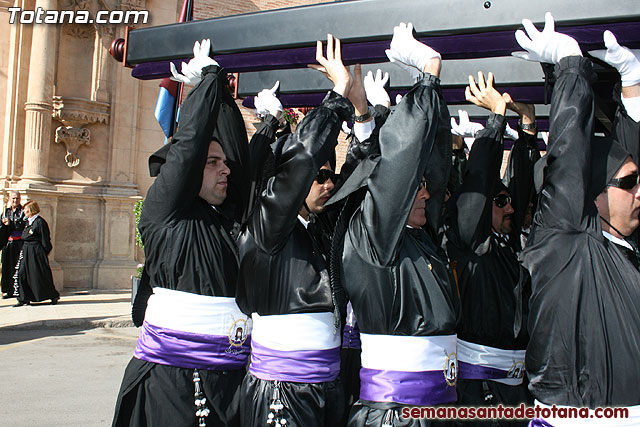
<point>137,210</point>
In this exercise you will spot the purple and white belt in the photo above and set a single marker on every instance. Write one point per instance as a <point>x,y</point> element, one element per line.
<point>301,348</point>
<point>490,363</point>
<point>408,370</point>
<point>194,331</point>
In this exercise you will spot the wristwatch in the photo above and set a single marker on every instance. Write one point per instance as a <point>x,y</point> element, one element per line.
<point>363,117</point>
<point>527,126</point>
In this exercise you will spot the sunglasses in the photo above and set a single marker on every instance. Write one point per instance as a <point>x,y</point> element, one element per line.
<point>325,174</point>
<point>501,200</point>
<point>625,183</point>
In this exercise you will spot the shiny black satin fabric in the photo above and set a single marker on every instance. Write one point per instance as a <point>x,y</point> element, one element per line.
<point>476,393</point>
<point>283,268</point>
<point>377,414</point>
<point>188,246</point>
<point>162,396</point>
<point>518,177</point>
<point>397,279</point>
<point>626,130</point>
<point>585,305</point>
<point>305,405</point>
<point>487,266</point>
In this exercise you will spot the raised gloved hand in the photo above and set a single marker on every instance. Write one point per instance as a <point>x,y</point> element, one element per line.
<point>510,133</point>
<point>626,61</point>
<point>407,50</point>
<point>374,87</point>
<point>413,72</point>
<point>192,71</point>
<point>268,103</point>
<point>466,128</point>
<point>546,46</point>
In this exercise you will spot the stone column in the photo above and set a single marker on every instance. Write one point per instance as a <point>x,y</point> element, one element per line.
<point>40,97</point>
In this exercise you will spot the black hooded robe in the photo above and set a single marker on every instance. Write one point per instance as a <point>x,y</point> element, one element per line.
<point>189,248</point>
<point>490,277</point>
<point>396,277</point>
<point>585,303</point>
<point>35,280</point>
<point>283,269</point>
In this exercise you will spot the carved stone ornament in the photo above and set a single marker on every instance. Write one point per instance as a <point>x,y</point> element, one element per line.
<point>74,113</point>
<point>78,111</point>
<point>72,138</point>
<point>82,31</point>
<point>133,4</point>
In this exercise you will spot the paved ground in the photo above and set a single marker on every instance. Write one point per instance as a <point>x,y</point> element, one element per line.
<point>62,364</point>
<point>82,309</point>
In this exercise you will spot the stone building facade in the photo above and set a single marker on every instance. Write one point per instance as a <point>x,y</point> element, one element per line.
<point>76,130</point>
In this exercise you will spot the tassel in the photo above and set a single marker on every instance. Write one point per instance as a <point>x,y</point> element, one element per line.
<point>276,415</point>
<point>202,412</point>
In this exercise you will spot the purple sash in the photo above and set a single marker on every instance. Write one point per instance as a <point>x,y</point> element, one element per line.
<point>351,337</point>
<point>425,388</point>
<point>469,371</point>
<point>539,422</point>
<point>190,350</point>
<point>301,366</point>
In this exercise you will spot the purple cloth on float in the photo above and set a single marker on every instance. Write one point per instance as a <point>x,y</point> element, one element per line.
<point>351,337</point>
<point>539,422</point>
<point>190,350</point>
<point>300,366</point>
<point>469,371</point>
<point>424,388</point>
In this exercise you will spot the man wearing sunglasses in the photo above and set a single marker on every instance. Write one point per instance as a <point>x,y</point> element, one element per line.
<point>492,283</point>
<point>619,207</point>
<point>396,276</point>
<point>283,280</point>
<point>585,303</point>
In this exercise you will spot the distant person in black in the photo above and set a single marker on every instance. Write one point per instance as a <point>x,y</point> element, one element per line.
<point>34,281</point>
<point>494,287</point>
<point>13,222</point>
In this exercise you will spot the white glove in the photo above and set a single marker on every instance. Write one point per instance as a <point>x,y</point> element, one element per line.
<point>345,128</point>
<point>406,49</point>
<point>466,128</point>
<point>469,142</point>
<point>374,88</point>
<point>192,72</point>
<point>414,74</point>
<point>268,103</point>
<point>510,133</point>
<point>632,105</point>
<point>545,46</point>
<point>398,99</point>
<point>626,61</point>
<point>544,136</point>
